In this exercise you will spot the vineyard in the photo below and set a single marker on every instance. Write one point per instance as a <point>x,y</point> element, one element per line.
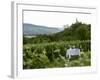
<point>51,55</point>
<point>49,51</point>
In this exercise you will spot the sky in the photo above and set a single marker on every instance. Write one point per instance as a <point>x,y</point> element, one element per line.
<point>54,19</point>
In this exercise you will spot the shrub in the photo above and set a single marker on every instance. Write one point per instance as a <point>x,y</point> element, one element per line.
<point>53,54</point>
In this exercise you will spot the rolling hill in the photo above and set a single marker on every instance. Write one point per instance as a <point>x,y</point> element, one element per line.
<point>32,29</point>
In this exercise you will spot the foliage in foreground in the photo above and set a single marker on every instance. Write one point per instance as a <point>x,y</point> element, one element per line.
<point>51,55</point>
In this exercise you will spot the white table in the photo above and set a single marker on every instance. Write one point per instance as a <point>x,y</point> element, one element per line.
<point>72,52</point>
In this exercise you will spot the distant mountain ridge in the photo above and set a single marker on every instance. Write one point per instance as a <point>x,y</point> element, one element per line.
<point>32,29</point>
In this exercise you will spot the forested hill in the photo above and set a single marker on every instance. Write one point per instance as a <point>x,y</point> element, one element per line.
<point>77,31</point>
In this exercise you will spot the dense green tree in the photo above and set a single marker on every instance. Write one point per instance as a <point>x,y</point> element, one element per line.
<point>82,32</point>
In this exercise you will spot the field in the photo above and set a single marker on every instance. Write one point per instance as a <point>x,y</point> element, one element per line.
<point>51,55</point>
<point>49,50</point>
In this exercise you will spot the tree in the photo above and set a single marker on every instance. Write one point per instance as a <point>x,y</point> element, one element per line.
<point>82,32</point>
